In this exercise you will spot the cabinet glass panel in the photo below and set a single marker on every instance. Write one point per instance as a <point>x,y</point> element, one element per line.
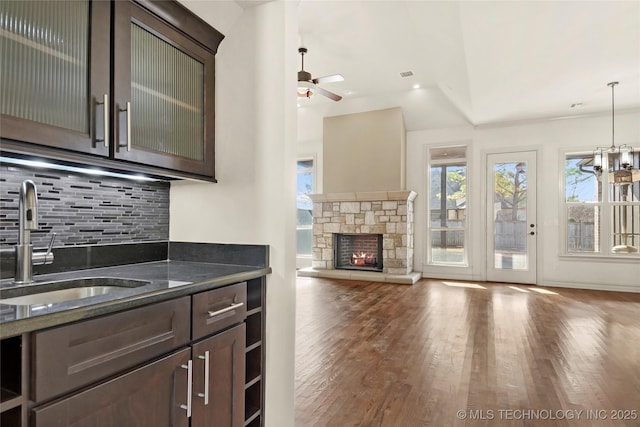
<point>167,97</point>
<point>44,68</point>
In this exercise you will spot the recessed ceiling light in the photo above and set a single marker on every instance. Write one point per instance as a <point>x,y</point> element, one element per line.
<point>406,74</point>
<point>416,86</point>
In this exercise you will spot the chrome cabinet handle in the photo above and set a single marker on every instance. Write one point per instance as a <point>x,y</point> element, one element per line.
<point>225,310</point>
<point>105,118</point>
<point>128,125</point>
<point>128,110</point>
<point>206,377</point>
<point>189,368</point>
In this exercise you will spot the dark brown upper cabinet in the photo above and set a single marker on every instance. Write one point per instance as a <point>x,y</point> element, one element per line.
<point>136,95</point>
<point>55,73</point>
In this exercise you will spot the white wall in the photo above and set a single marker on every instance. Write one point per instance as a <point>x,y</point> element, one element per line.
<point>364,152</point>
<point>551,139</point>
<point>254,199</point>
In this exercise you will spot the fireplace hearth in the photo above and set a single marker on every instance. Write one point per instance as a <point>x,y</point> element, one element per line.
<point>358,252</point>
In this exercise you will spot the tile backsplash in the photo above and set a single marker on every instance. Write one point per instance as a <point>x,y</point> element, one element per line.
<point>85,209</point>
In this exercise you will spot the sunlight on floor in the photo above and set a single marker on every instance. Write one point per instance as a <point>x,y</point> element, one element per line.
<point>543,291</point>
<point>518,289</point>
<point>464,285</point>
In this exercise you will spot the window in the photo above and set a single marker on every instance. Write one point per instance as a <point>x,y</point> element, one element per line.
<point>602,213</point>
<point>447,183</point>
<point>304,219</point>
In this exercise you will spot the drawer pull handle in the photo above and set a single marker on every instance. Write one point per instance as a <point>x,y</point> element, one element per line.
<point>206,377</point>
<point>225,310</point>
<point>189,368</point>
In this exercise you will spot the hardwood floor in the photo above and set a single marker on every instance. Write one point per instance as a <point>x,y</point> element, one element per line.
<point>377,354</point>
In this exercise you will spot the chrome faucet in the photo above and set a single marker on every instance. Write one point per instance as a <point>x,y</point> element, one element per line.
<point>28,221</point>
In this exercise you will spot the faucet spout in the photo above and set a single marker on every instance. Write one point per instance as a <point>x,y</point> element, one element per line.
<point>27,221</point>
<point>28,211</point>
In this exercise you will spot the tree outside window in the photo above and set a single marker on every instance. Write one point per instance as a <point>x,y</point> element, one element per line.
<point>447,206</point>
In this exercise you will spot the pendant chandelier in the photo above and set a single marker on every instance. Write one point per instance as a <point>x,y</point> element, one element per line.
<point>621,170</point>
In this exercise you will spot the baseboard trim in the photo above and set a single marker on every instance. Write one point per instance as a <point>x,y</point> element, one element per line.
<point>591,286</point>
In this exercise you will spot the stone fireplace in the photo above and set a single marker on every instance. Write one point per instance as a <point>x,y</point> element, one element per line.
<point>385,213</point>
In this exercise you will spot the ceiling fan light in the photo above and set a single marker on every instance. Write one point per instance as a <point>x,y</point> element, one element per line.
<point>305,89</point>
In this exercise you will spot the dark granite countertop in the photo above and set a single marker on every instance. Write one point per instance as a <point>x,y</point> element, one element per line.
<point>167,279</point>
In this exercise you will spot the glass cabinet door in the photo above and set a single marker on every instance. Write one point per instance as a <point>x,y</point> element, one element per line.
<point>163,89</point>
<point>54,73</point>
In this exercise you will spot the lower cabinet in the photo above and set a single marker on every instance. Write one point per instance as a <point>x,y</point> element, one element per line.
<point>202,385</point>
<point>218,380</point>
<point>193,361</point>
<point>150,396</point>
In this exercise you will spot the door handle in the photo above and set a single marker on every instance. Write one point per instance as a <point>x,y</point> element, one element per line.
<point>105,118</point>
<point>128,125</point>
<point>205,395</point>
<point>189,368</point>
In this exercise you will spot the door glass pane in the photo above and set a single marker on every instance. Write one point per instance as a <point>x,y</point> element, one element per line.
<point>510,216</point>
<point>167,97</point>
<point>44,67</point>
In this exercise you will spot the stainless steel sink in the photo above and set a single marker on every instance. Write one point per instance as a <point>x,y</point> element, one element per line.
<point>66,290</point>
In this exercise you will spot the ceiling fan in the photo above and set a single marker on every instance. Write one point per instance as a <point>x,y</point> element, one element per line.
<point>307,85</point>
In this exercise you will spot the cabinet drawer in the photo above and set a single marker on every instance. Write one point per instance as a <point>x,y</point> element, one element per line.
<point>73,356</point>
<point>146,397</point>
<point>217,309</point>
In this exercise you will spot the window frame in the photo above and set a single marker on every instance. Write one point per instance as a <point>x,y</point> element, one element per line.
<point>312,170</point>
<point>430,164</point>
<point>605,205</point>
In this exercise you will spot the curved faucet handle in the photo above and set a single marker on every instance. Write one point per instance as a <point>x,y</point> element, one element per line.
<point>53,238</point>
<point>40,258</point>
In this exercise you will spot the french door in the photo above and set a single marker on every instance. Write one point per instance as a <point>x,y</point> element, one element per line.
<point>511,217</point>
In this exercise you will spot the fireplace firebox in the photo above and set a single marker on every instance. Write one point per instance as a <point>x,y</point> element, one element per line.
<point>357,251</point>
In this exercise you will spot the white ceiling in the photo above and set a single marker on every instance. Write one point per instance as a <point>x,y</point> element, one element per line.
<point>477,62</point>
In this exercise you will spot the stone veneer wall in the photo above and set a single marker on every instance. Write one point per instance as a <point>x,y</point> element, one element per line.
<point>389,213</point>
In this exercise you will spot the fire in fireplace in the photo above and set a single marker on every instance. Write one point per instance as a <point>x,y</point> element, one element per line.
<point>358,252</point>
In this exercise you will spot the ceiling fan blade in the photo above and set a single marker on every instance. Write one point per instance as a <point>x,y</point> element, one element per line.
<point>329,79</point>
<point>328,94</point>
